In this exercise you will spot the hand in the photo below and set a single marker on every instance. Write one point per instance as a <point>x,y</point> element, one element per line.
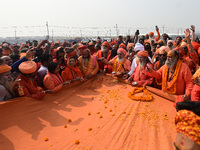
<point>125,76</point>
<point>30,54</point>
<point>192,28</point>
<point>81,79</point>
<point>89,76</point>
<point>49,91</point>
<point>186,97</point>
<point>130,79</point>
<point>187,33</point>
<point>149,69</point>
<point>102,59</point>
<point>157,28</point>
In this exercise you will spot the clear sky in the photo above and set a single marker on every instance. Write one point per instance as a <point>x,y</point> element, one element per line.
<point>129,15</point>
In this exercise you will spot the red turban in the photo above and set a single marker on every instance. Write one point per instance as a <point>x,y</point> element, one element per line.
<point>28,67</point>
<point>123,45</point>
<point>195,45</point>
<point>82,47</point>
<point>188,123</point>
<point>4,68</point>
<point>107,44</point>
<point>151,33</point>
<point>113,43</point>
<point>143,53</point>
<point>164,48</point>
<point>71,52</point>
<point>180,50</point>
<point>122,50</point>
<point>130,45</point>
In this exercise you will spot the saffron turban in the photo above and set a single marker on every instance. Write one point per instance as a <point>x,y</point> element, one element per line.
<point>91,43</point>
<point>122,45</point>
<point>164,48</point>
<point>161,41</point>
<point>28,67</point>
<point>4,68</point>
<point>82,47</point>
<point>180,50</point>
<point>105,43</point>
<point>113,43</point>
<point>188,123</point>
<point>122,50</point>
<point>71,52</point>
<point>143,53</point>
<point>170,41</point>
<point>130,45</point>
<point>184,44</point>
<point>138,47</point>
<point>151,33</point>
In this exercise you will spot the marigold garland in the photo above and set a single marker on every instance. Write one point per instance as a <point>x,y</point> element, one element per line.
<point>164,81</point>
<point>135,90</point>
<point>158,82</point>
<point>120,65</point>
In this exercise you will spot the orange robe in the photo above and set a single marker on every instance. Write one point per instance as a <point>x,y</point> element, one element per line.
<point>195,95</point>
<point>156,39</point>
<point>99,54</point>
<point>92,66</point>
<point>127,65</point>
<point>157,81</point>
<point>141,76</point>
<point>71,73</point>
<point>52,81</point>
<point>30,88</point>
<point>184,83</point>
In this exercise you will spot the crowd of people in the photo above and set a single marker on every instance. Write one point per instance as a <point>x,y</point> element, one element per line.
<point>33,69</point>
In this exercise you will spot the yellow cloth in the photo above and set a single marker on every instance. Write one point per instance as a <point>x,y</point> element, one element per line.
<point>4,68</point>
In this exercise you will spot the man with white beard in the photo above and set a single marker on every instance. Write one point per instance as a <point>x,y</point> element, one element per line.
<point>176,76</point>
<point>170,44</point>
<point>138,47</point>
<point>119,63</point>
<point>88,63</point>
<point>6,83</point>
<point>104,53</point>
<point>140,75</point>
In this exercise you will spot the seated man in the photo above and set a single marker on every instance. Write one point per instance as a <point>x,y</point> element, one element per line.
<point>140,76</point>
<point>162,58</point>
<point>104,53</point>
<point>88,63</point>
<point>176,76</point>
<point>27,79</point>
<point>6,83</point>
<point>119,63</point>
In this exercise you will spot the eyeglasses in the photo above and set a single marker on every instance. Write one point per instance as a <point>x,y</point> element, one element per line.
<point>162,55</point>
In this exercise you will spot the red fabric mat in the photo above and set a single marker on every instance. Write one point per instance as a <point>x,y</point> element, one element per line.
<point>125,124</point>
